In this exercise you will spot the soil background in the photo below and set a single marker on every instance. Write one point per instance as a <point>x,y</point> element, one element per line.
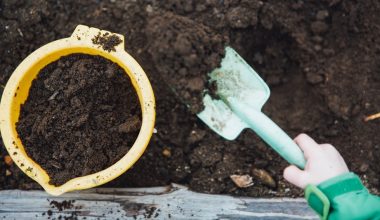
<point>321,60</point>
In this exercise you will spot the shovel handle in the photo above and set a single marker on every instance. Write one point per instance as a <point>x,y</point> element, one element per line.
<point>271,133</point>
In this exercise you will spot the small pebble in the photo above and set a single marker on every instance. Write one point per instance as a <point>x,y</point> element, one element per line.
<point>8,160</point>
<point>8,173</point>
<point>364,167</point>
<point>166,152</point>
<point>322,14</point>
<point>149,9</point>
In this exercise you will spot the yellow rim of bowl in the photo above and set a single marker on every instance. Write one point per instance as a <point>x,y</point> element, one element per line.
<point>16,92</point>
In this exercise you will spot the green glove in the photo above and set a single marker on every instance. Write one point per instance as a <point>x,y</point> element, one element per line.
<point>343,197</point>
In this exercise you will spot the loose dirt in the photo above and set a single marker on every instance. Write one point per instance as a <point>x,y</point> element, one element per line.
<point>107,41</point>
<point>185,52</point>
<point>81,116</point>
<point>320,59</point>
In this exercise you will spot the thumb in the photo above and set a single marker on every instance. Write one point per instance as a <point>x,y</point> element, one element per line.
<point>296,176</point>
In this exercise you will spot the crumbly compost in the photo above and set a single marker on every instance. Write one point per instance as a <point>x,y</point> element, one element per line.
<point>81,116</point>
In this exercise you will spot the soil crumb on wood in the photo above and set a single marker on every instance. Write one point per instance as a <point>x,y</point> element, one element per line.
<point>64,210</point>
<point>65,204</point>
<point>107,41</point>
<point>82,115</point>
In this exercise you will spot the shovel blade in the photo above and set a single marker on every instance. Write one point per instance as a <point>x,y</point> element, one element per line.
<point>219,117</point>
<point>235,80</point>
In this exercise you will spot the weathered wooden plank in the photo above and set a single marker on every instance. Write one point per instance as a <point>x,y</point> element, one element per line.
<point>175,202</point>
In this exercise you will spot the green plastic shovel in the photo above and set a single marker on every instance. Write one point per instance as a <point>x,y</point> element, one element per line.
<point>242,94</point>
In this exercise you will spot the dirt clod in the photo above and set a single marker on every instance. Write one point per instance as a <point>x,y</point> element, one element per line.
<point>65,204</point>
<point>184,54</point>
<point>107,41</point>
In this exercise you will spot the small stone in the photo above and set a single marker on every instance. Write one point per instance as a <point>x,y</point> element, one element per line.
<point>364,167</point>
<point>322,14</point>
<point>242,181</point>
<point>149,9</point>
<point>166,152</point>
<point>8,173</point>
<point>8,160</point>
<point>264,177</point>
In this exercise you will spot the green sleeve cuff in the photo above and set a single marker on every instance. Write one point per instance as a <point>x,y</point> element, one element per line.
<point>320,197</point>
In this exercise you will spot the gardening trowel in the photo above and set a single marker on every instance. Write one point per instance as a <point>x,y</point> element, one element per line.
<point>242,94</point>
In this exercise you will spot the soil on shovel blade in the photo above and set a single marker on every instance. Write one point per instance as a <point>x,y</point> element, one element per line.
<point>81,116</point>
<point>320,59</point>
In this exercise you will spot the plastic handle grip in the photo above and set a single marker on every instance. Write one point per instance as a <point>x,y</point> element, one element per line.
<point>271,133</point>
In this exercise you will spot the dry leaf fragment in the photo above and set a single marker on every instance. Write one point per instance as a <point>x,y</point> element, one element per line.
<point>372,117</point>
<point>242,181</point>
<point>264,177</point>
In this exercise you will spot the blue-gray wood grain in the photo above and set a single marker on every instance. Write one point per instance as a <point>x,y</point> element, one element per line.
<point>171,202</point>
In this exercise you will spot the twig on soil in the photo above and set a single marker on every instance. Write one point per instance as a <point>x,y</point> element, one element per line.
<point>372,117</point>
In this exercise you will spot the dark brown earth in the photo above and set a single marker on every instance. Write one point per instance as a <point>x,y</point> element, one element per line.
<point>81,116</point>
<point>107,41</point>
<point>186,49</point>
<point>321,60</point>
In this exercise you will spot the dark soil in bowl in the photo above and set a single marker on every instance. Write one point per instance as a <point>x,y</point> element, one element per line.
<point>81,116</point>
<point>320,59</point>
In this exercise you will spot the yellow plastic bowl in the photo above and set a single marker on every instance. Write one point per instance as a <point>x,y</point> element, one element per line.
<point>16,92</point>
